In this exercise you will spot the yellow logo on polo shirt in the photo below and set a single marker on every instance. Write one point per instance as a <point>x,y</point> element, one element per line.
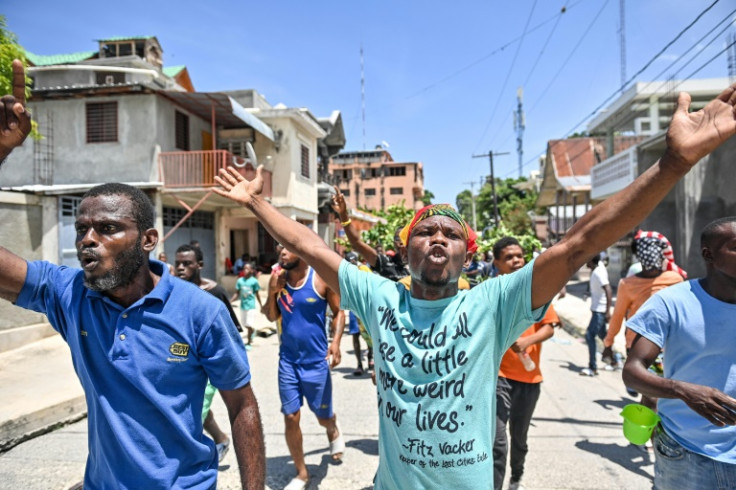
<point>311,300</point>
<point>179,349</point>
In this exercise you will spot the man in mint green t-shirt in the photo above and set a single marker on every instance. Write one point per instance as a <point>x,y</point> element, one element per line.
<point>247,288</point>
<point>437,349</point>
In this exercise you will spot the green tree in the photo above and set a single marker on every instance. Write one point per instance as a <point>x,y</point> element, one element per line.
<point>10,50</point>
<point>395,216</point>
<point>427,197</point>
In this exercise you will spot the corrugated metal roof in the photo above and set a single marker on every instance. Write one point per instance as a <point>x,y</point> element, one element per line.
<point>172,71</point>
<point>227,111</point>
<point>59,59</point>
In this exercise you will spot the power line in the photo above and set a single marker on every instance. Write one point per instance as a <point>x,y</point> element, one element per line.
<point>692,74</point>
<point>508,75</point>
<point>501,48</point>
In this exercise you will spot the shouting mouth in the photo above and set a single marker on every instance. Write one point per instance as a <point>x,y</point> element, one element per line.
<point>437,256</point>
<point>88,261</point>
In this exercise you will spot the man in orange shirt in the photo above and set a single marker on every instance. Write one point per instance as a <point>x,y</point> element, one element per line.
<point>517,388</point>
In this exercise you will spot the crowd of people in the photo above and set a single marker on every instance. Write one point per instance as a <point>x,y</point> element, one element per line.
<point>151,349</point>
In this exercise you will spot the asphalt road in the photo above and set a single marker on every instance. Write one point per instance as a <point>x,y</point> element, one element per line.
<point>576,440</point>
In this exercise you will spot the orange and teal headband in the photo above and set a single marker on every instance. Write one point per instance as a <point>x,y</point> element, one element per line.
<point>439,210</point>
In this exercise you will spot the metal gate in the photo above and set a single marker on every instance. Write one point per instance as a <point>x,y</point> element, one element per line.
<point>68,206</point>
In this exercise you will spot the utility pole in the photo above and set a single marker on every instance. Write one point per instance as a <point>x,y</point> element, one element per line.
<point>472,202</point>
<point>519,126</point>
<point>490,155</point>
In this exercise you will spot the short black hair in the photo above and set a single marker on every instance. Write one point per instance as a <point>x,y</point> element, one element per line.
<point>504,242</point>
<point>710,236</point>
<point>142,205</point>
<point>191,248</point>
<point>595,259</point>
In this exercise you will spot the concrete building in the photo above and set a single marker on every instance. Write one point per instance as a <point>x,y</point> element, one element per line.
<point>371,179</point>
<point>118,115</point>
<point>705,194</point>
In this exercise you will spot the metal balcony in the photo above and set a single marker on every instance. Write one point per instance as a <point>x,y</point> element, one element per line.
<point>197,169</point>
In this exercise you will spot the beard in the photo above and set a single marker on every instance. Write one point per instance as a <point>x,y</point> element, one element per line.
<point>287,266</point>
<point>124,270</point>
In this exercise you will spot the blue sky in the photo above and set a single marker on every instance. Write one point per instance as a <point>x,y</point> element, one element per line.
<point>440,80</point>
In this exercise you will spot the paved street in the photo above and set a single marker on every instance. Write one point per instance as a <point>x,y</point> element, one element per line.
<point>576,441</point>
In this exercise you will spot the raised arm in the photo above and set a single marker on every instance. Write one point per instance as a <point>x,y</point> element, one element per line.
<point>369,253</point>
<point>15,125</point>
<point>690,137</point>
<point>294,236</point>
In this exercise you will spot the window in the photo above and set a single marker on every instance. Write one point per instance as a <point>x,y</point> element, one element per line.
<point>305,162</point>
<point>182,131</point>
<point>345,192</point>
<point>370,192</point>
<point>102,122</point>
<point>347,174</point>
<point>397,171</point>
<point>198,219</point>
<point>397,191</point>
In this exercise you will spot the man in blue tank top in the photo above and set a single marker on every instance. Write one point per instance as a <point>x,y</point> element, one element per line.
<point>300,297</point>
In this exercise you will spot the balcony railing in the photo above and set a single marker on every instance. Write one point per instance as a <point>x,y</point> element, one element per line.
<point>613,174</point>
<point>187,169</point>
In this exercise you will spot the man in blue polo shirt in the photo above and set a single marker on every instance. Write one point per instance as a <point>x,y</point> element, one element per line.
<point>143,343</point>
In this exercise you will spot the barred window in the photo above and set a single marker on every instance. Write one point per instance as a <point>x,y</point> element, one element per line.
<point>397,191</point>
<point>198,219</point>
<point>305,162</point>
<point>370,192</point>
<point>396,171</point>
<point>182,131</point>
<point>102,122</point>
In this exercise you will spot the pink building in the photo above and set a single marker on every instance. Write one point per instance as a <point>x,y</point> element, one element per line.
<point>370,179</point>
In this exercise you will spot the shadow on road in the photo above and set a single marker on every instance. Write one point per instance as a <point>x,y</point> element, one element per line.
<point>570,420</point>
<point>629,457</point>
<point>614,404</point>
<point>368,446</point>
<point>280,470</point>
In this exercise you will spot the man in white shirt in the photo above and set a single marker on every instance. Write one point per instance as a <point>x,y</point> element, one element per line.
<point>600,306</point>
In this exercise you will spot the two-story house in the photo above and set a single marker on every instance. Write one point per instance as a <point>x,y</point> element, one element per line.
<point>118,115</point>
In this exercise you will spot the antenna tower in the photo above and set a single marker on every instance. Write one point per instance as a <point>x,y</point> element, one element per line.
<point>362,91</point>
<point>519,126</point>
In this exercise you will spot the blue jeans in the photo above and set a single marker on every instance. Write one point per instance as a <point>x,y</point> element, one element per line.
<point>677,468</point>
<point>596,328</point>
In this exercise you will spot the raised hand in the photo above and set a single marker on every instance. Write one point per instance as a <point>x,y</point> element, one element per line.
<point>236,187</point>
<point>338,204</point>
<point>15,120</point>
<point>691,136</point>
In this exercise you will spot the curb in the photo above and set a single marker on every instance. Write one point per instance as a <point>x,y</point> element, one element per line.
<point>25,427</point>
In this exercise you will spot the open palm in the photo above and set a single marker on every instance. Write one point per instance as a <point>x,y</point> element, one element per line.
<point>691,136</point>
<point>236,187</point>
